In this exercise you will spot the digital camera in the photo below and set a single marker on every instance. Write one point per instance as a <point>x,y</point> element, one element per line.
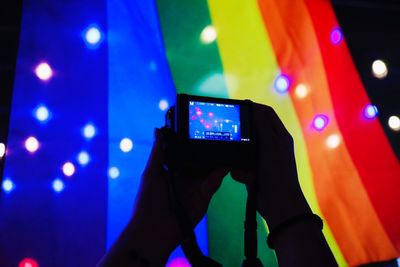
<point>208,131</point>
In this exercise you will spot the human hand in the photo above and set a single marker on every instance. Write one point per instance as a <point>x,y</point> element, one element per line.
<point>279,196</point>
<point>153,231</point>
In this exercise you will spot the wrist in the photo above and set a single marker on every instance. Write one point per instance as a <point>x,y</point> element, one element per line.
<point>153,241</point>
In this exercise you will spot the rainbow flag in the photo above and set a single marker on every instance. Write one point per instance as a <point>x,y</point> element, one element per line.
<point>348,171</point>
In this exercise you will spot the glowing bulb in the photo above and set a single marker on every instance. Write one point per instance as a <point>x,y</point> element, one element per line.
<point>336,36</point>
<point>394,123</point>
<point>93,35</point>
<point>2,150</point>
<point>28,263</point>
<point>320,122</point>
<point>208,35</point>
<point>8,185</point>
<point>113,172</point>
<point>83,158</point>
<point>282,83</point>
<point>379,69</point>
<point>179,262</point>
<point>163,104</point>
<point>89,131</point>
<point>68,169</point>
<point>43,71</point>
<point>333,141</point>
<point>126,145</point>
<point>301,91</point>
<point>370,111</point>
<point>32,144</point>
<point>42,113</point>
<point>58,185</point>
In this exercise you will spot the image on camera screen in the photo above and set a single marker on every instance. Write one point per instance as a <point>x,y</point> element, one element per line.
<point>214,121</point>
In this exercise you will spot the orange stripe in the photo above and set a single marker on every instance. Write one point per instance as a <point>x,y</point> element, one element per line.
<point>343,199</point>
<point>367,143</point>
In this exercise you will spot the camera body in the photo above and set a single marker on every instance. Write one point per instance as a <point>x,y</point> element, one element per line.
<point>207,131</point>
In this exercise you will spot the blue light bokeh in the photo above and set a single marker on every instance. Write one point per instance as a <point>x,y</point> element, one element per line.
<point>8,185</point>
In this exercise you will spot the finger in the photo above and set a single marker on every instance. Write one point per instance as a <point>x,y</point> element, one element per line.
<point>211,183</point>
<point>266,116</point>
<point>157,155</point>
<point>241,176</point>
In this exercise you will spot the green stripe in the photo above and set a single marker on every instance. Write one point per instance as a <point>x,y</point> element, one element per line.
<point>197,69</point>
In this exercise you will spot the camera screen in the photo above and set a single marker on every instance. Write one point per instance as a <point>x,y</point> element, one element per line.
<point>214,121</point>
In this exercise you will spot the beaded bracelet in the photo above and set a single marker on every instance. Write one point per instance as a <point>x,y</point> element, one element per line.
<point>280,228</point>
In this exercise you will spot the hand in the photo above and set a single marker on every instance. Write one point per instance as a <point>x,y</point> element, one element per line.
<point>279,196</point>
<point>153,232</point>
<point>274,176</point>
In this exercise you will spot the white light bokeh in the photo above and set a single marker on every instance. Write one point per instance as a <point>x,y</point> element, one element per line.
<point>301,91</point>
<point>8,185</point>
<point>282,83</point>
<point>163,104</point>
<point>379,69</point>
<point>42,113</point>
<point>113,172</point>
<point>89,131</point>
<point>43,71</point>
<point>68,169</point>
<point>333,141</point>
<point>32,144</point>
<point>2,150</point>
<point>58,185</point>
<point>93,35</point>
<point>208,35</point>
<point>126,145</point>
<point>394,123</point>
<point>83,158</point>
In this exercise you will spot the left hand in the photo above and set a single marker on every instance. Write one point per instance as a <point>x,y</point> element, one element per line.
<point>153,231</point>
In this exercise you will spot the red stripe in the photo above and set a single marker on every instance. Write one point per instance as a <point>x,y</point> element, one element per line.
<point>365,139</point>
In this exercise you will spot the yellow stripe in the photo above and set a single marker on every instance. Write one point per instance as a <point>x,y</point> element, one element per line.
<point>250,68</point>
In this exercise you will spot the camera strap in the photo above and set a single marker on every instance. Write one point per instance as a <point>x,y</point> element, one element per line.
<point>250,230</point>
<point>189,244</point>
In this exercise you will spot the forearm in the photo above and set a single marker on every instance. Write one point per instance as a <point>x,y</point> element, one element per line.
<point>140,245</point>
<point>303,245</point>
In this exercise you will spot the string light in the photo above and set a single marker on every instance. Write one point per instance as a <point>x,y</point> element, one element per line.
<point>178,262</point>
<point>43,71</point>
<point>336,36</point>
<point>301,90</point>
<point>2,150</point>
<point>208,35</point>
<point>394,123</point>
<point>126,145</point>
<point>83,158</point>
<point>93,36</point>
<point>32,144</point>
<point>163,104</point>
<point>89,131</point>
<point>58,185</point>
<point>8,185</point>
<point>370,111</point>
<point>320,122</point>
<point>113,172</point>
<point>282,83</point>
<point>42,113</point>
<point>68,169</point>
<point>27,262</point>
<point>333,141</point>
<point>379,69</point>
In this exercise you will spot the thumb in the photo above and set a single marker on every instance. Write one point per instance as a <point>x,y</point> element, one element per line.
<point>212,182</point>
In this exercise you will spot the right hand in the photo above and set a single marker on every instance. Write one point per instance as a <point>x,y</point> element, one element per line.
<point>279,196</point>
